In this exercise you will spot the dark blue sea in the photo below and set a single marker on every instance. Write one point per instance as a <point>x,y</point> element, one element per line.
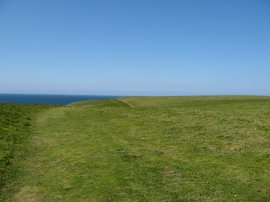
<point>47,99</point>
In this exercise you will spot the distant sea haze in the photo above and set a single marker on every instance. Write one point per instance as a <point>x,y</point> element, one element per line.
<point>48,99</point>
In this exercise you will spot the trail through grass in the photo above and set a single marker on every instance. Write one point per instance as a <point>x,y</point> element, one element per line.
<point>161,149</point>
<point>15,132</point>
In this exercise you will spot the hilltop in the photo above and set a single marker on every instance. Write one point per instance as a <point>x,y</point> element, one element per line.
<point>149,149</point>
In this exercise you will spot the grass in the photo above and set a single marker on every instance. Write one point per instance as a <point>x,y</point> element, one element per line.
<point>149,149</point>
<point>15,124</point>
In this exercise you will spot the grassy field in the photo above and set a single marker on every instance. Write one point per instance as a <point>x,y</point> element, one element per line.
<point>149,149</point>
<point>15,132</point>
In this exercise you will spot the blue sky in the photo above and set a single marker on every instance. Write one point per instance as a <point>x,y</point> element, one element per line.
<point>135,47</point>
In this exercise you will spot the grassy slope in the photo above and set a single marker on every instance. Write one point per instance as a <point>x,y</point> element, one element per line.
<point>15,123</point>
<point>151,149</point>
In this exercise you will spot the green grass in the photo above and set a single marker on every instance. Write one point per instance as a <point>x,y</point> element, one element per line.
<point>150,149</point>
<point>15,124</point>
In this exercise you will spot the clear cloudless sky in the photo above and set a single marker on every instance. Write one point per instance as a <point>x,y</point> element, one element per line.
<point>135,47</point>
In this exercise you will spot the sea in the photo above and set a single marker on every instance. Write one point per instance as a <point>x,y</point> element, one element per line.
<point>48,99</point>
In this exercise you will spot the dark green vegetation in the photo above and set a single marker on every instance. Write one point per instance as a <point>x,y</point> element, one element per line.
<point>150,149</point>
<point>15,123</point>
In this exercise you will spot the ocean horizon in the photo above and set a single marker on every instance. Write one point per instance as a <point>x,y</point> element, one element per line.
<point>48,98</point>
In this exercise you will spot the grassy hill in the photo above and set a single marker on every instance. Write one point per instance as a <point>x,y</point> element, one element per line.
<point>149,149</point>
